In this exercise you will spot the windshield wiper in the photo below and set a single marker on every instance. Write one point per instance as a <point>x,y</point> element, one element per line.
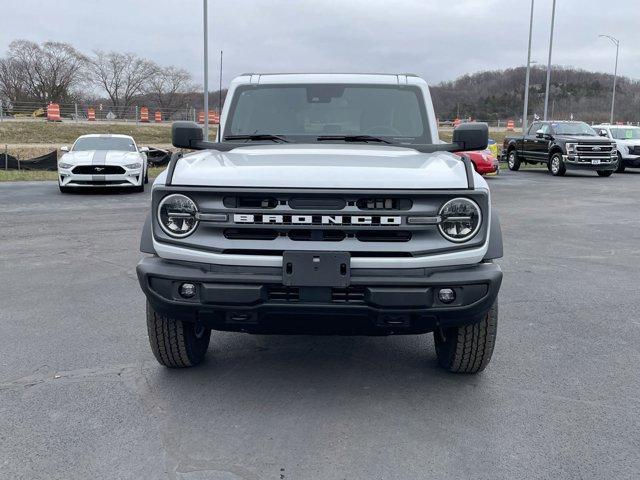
<point>354,138</point>
<point>257,136</point>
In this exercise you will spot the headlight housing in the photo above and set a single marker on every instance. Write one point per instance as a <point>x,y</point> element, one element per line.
<point>177,215</point>
<point>64,165</point>
<point>133,166</point>
<point>571,148</point>
<point>460,220</point>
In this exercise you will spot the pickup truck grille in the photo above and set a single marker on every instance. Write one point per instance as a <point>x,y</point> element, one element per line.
<point>370,223</point>
<point>587,150</point>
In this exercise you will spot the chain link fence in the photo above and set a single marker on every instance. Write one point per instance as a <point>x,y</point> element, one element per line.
<point>81,112</point>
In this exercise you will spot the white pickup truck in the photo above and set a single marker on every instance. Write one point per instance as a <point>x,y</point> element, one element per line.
<point>327,204</point>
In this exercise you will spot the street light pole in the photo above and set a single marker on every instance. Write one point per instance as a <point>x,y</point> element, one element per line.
<point>546,93</point>
<point>616,42</point>
<point>525,111</point>
<point>206,71</point>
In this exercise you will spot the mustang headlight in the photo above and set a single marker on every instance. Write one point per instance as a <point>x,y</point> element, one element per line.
<point>133,166</point>
<point>177,215</point>
<point>460,220</point>
<point>64,165</point>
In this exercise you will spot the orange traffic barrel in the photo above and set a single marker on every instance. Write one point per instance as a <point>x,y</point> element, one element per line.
<point>201,117</point>
<point>158,116</point>
<point>91,114</point>
<point>214,117</point>
<point>511,125</point>
<point>53,112</point>
<point>144,114</point>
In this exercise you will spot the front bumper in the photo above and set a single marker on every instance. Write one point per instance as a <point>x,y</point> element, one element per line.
<point>130,178</point>
<point>631,161</point>
<point>576,162</point>
<point>377,302</point>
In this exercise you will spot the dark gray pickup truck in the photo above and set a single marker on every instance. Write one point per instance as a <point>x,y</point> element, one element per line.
<point>561,146</point>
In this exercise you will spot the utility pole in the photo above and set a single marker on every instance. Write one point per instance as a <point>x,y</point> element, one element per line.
<point>206,71</point>
<point>220,86</point>
<point>546,93</point>
<point>525,111</point>
<point>616,42</point>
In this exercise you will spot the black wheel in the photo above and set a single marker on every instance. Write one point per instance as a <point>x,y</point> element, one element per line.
<point>605,173</point>
<point>621,167</point>
<point>146,175</point>
<point>513,162</point>
<point>467,349</point>
<point>556,165</point>
<point>174,343</point>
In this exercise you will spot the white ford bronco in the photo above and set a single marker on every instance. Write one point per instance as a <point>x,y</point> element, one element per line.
<point>327,204</point>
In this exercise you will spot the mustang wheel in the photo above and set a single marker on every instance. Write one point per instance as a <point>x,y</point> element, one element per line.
<point>467,349</point>
<point>513,162</point>
<point>557,166</point>
<point>174,343</point>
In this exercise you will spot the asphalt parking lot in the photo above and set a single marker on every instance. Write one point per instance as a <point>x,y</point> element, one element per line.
<point>81,395</point>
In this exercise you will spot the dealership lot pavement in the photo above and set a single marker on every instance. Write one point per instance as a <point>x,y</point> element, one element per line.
<point>82,397</point>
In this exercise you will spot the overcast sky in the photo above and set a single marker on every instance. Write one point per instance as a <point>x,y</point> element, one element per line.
<point>437,39</point>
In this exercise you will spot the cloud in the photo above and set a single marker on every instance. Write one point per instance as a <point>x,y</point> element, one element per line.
<point>437,39</point>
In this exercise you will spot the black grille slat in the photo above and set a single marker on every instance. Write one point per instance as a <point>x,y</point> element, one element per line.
<point>348,295</point>
<point>98,170</point>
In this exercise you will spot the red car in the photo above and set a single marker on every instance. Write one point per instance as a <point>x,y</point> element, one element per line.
<point>484,162</point>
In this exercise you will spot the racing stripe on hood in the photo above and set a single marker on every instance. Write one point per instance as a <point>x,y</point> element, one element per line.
<point>99,157</point>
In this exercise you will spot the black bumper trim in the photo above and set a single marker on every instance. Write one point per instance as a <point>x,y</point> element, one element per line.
<point>237,298</point>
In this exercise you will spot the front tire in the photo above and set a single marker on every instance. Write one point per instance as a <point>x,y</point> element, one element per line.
<point>556,165</point>
<point>605,173</point>
<point>621,166</point>
<point>174,343</point>
<point>513,162</point>
<point>467,349</point>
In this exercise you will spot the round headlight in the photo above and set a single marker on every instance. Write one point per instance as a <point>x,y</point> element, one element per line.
<point>177,215</point>
<point>460,220</point>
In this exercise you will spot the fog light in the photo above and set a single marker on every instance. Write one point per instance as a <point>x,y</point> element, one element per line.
<point>187,290</point>
<point>446,295</point>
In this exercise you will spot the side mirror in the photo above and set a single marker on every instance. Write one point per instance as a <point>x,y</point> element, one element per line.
<point>603,133</point>
<point>540,134</point>
<point>471,136</point>
<point>64,148</point>
<point>143,149</point>
<point>185,134</point>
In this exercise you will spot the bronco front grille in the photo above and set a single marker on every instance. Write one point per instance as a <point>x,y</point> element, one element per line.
<point>367,223</point>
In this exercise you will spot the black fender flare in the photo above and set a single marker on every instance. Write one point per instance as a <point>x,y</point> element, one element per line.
<point>146,239</point>
<point>495,249</point>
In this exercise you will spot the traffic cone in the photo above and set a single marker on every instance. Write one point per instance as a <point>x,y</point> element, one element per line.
<point>158,116</point>
<point>91,114</point>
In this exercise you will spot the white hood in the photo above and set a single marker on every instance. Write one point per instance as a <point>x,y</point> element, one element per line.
<point>321,166</point>
<point>101,157</point>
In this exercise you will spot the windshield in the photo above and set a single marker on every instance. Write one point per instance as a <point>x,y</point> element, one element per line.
<point>625,133</point>
<point>104,143</point>
<point>302,113</point>
<point>577,128</point>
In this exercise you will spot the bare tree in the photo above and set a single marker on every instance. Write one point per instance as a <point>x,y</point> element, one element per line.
<point>167,86</point>
<point>45,73</point>
<point>122,76</point>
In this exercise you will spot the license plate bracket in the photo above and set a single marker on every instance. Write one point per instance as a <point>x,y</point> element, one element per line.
<point>316,269</point>
<point>595,162</point>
